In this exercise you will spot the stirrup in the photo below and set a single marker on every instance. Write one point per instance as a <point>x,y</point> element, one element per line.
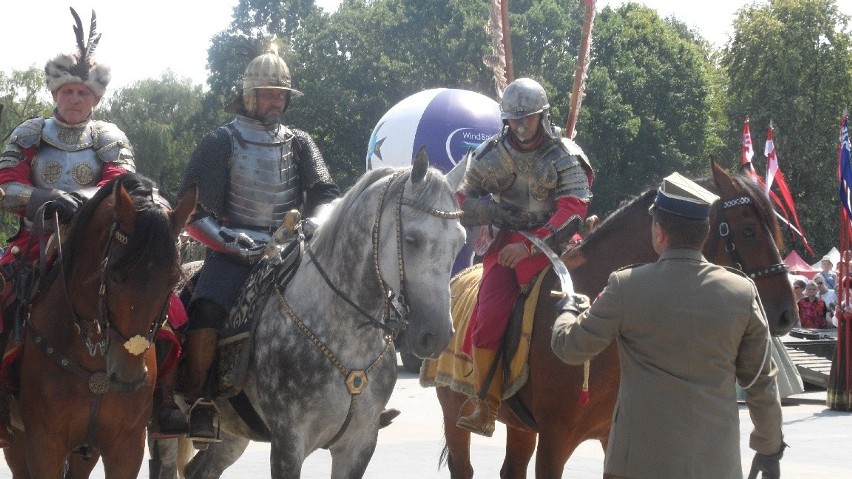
<point>202,415</point>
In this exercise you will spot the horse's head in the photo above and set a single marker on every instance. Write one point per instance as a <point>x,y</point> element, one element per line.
<point>744,233</point>
<point>417,252</point>
<point>396,232</point>
<point>121,262</point>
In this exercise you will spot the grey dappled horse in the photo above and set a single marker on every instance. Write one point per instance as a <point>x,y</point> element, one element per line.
<point>395,233</point>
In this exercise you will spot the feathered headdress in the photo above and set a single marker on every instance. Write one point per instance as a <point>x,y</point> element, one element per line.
<point>79,67</point>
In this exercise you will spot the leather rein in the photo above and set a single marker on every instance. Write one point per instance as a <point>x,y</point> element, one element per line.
<point>724,230</point>
<point>98,382</point>
<point>357,380</point>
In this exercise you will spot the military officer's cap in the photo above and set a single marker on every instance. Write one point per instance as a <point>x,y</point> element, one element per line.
<point>681,196</point>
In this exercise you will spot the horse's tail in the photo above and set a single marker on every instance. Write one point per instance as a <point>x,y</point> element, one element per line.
<point>445,454</point>
<point>185,452</point>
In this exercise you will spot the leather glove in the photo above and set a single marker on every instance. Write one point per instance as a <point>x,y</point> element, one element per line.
<point>573,303</point>
<point>768,465</point>
<point>65,205</point>
<point>483,211</point>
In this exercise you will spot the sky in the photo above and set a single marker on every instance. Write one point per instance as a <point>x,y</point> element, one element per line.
<point>143,39</point>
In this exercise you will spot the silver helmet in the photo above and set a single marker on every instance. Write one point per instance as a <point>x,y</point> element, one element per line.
<point>524,97</point>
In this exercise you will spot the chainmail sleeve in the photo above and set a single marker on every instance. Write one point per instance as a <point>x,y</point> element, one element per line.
<point>209,169</point>
<point>317,183</point>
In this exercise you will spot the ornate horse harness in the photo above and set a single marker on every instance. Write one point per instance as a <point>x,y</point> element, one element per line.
<point>393,320</point>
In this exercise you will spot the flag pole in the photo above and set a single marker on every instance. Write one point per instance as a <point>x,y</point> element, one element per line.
<point>839,387</point>
<point>578,89</point>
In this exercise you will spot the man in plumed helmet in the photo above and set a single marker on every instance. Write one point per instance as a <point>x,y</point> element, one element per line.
<point>249,173</point>
<point>51,165</point>
<point>527,178</point>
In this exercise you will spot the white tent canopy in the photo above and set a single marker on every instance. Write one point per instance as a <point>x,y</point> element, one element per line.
<point>834,254</point>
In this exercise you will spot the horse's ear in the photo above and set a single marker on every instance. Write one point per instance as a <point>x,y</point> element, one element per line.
<point>419,165</point>
<point>721,178</point>
<point>125,208</point>
<point>185,207</point>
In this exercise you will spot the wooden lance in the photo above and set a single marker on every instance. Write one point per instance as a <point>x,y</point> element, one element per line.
<point>578,89</point>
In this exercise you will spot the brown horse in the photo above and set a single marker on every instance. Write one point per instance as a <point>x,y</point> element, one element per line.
<point>86,367</point>
<point>744,234</point>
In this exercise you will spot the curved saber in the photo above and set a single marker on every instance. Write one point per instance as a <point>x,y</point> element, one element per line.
<point>558,266</point>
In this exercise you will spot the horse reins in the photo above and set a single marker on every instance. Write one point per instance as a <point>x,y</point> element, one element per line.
<point>98,382</point>
<point>731,248</point>
<point>357,380</point>
<point>778,268</point>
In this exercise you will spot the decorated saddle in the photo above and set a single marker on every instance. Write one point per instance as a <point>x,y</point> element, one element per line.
<point>454,367</point>
<point>273,270</point>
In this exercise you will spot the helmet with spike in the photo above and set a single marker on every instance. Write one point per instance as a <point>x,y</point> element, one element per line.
<point>79,67</point>
<point>267,70</point>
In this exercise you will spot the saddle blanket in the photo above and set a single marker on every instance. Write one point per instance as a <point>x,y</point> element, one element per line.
<point>454,368</point>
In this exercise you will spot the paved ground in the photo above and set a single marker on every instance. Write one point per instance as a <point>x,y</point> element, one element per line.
<point>820,444</point>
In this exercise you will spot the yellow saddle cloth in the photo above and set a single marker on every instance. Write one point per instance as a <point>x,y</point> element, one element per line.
<point>454,368</point>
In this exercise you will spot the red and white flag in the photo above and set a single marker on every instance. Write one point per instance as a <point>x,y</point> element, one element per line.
<point>748,153</point>
<point>773,172</point>
<point>771,159</point>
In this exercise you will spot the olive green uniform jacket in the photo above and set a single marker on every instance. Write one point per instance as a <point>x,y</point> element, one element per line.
<point>686,330</point>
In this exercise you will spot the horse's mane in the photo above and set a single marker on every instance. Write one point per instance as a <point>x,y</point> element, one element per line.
<point>152,240</point>
<point>644,200</point>
<point>422,197</point>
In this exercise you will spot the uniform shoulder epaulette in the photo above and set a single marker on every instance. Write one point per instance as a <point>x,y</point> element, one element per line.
<point>631,266</point>
<point>736,271</point>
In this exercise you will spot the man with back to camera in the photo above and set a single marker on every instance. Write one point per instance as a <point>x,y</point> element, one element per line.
<point>682,349</point>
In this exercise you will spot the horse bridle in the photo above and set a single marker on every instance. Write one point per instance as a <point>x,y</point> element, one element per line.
<point>395,308</point>
<point>731,248</point>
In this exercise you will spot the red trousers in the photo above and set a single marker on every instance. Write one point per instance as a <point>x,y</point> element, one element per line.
<point>498,291</point>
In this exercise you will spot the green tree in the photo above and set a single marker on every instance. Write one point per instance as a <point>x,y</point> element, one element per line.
<point>164,119</point>
<point>22,96</point>
<point>790,63</point>
<point>649,108</point>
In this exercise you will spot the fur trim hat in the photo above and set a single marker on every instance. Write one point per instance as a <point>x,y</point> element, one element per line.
<point>79,67</point>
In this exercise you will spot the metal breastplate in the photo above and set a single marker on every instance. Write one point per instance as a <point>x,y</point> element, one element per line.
<point>534,179</point>
<point>66,159</point>
<point>264,178</point>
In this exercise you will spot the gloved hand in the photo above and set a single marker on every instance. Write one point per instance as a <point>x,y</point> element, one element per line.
<point>573,303</point>
<point>64,205</point>
<point>483,211</point>
<point>241,245</point>
<point>769,465</point>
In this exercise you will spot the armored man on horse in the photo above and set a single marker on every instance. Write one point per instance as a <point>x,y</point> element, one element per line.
<point>539,185</point>
<point>249,173</point>
<point>52,165</point>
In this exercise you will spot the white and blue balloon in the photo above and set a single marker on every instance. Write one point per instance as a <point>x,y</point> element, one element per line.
<point>447,121</point>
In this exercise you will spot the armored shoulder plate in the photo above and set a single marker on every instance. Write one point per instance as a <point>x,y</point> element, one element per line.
<point>491,169</point>
<point>25,135</point>
<point>112,145</point>
<point>28,133</point>
<point>573,170</point>
<point>312,167</point>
